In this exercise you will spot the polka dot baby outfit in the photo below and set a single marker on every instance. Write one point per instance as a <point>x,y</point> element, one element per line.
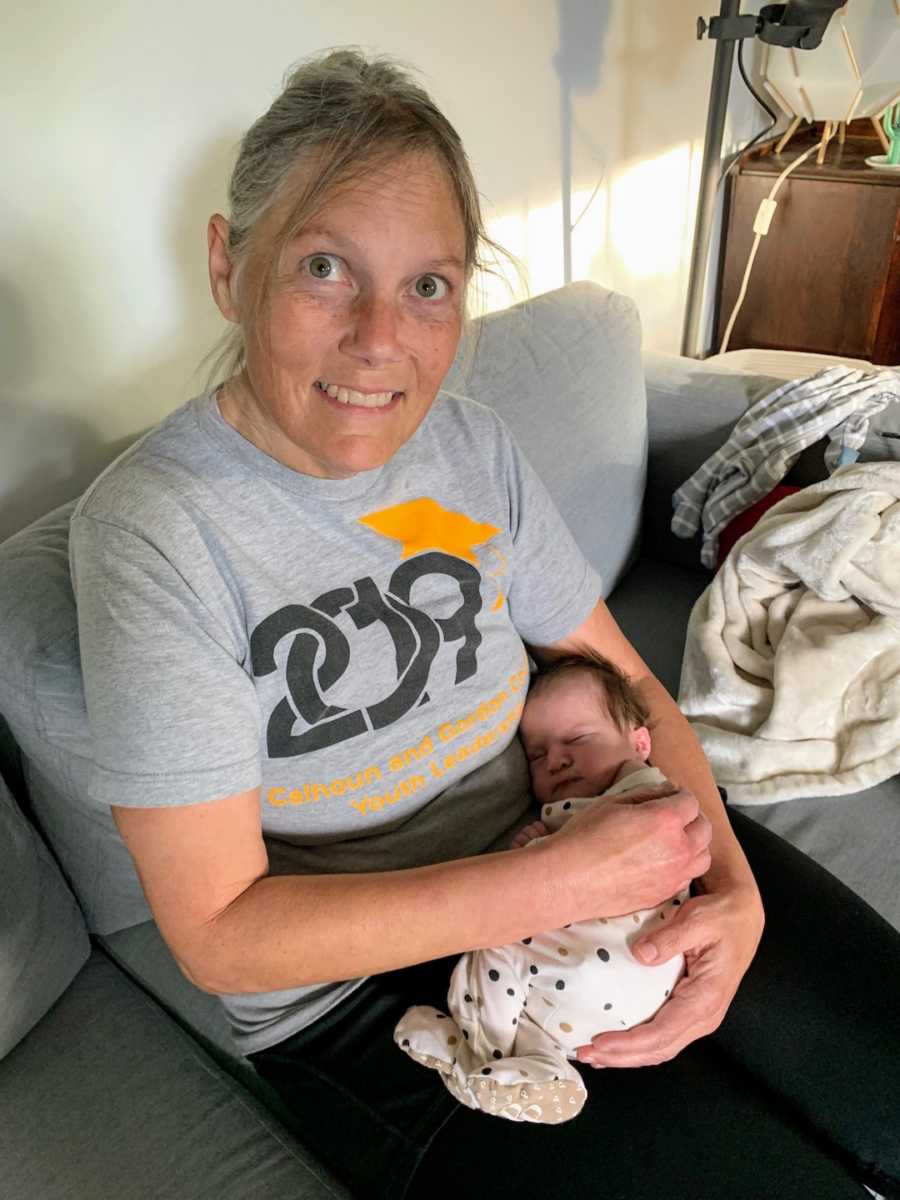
<point>519,1012</point>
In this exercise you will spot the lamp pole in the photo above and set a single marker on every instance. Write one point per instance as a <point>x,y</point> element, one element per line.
<point>709,178</point>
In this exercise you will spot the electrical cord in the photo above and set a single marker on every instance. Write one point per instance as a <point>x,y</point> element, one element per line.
<point>588,205</point>
<point>762,103</point>
<point>599,158</point>
<point>761,228</point>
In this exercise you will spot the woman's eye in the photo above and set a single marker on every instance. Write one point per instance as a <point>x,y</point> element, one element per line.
<point>431,287</point>
<point>323,266</point>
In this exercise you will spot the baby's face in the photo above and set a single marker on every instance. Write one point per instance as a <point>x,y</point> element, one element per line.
<point>574,748</point>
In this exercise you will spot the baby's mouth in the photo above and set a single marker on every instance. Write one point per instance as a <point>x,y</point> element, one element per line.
<point>355,399</point>
<point>565,783</point>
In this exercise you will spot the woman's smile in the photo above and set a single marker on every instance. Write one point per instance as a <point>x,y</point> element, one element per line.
<point>357,397</point>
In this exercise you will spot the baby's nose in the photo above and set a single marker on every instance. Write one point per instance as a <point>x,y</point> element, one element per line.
<point>558,758</point>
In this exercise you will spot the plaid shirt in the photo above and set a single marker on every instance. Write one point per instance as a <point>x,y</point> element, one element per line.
<point>836,403</point>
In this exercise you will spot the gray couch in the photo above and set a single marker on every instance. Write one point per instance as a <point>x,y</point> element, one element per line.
<point>118,1077</point>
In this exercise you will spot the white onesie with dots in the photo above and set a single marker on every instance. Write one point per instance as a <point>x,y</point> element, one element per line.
<point>519,1012</point>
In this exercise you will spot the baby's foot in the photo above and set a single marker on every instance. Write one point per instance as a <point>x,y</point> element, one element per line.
<point>430,1037</point>
<point>549,1102</point>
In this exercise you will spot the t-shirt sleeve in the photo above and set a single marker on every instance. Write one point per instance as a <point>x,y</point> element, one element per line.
<point>173,714</point>
<point>554,588</point>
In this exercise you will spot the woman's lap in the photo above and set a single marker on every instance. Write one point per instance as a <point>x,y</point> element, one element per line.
<point>787,1099</point>
<point>364,1108</point>
<point>816,1018</point>
<point>692,1129</point>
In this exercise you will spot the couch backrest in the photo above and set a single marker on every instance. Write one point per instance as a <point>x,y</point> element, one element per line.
<point>563,370</point>
<point>42,699</point>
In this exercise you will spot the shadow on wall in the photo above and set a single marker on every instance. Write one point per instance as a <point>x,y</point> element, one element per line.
<point>665,72</point>
<point>52,437</point>
<point>582,28</point>
<point>535,225</point>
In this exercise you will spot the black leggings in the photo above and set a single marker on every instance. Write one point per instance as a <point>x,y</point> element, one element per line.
<point>795,1097</point>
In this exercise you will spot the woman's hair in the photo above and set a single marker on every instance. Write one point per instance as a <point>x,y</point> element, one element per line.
<point>623,701</point>
<point>348,113</point>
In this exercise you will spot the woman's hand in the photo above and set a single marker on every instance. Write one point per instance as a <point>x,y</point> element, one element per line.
<point>623,853</point>
<point>718,933</point>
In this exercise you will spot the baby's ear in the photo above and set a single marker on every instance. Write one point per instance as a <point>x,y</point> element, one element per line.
<point>640,741</point>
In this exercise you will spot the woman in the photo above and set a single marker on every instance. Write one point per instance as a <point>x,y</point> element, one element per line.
<point>287,629</point>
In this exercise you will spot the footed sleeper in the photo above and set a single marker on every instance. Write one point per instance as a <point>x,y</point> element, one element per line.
<point>519,1012</point>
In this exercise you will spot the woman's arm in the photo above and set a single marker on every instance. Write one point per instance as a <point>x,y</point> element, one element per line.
<point>718,931</point>
<point>233,928</point>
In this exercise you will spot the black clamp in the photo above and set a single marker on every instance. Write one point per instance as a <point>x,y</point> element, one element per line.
<point>731,29</point>
<point>799,24</point>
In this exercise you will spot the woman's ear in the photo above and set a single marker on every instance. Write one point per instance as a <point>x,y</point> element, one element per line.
<point>640,741</point>
<point>221,268</point>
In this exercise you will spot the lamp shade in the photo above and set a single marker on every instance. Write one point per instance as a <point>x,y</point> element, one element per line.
<point>854,72</point>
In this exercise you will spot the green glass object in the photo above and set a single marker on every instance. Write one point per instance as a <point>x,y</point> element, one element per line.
<point>891,122</point>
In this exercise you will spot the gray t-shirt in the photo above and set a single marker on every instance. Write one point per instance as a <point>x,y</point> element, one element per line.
<point>353,647</point>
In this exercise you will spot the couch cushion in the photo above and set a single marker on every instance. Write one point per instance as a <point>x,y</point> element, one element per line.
<point>43,939</point>
<point>564,371</point>
<point>108,1097</point>
<point>42,698</point>
<point>652,605</point>
<point>143,954</point>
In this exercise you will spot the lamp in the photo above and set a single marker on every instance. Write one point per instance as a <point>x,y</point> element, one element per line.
<point>855,72</point>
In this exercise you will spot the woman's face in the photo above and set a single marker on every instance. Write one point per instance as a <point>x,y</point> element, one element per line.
<point>364,321</point>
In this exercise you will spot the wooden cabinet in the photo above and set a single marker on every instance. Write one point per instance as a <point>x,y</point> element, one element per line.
<point>827,275</point>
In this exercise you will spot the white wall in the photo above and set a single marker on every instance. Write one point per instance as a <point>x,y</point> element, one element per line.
<point>119,125</point>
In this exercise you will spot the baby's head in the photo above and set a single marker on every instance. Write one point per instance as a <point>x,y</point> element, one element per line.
<point>583,719</point>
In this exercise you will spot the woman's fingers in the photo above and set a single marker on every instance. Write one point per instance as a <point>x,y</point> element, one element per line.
<point>718,934</point>
<point>685,811</point>
<point>626,856</point>
<point>682,934</point>
<point>693,1010</point>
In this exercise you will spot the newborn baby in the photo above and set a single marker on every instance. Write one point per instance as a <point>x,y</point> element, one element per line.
<point>519,1012</point>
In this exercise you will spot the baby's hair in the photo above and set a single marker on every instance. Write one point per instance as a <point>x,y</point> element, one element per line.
<point>623,701</point>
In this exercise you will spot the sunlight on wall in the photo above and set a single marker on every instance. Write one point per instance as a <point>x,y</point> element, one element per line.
<point>635,238</point>
<point>649,214</point>
<point>534,236</point>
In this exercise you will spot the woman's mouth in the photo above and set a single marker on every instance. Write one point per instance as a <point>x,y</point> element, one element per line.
<point>354,399</point>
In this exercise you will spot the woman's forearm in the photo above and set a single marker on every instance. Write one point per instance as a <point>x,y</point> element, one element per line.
<point>284,931</point>
<point>288,930</point>
<point>679,755</point>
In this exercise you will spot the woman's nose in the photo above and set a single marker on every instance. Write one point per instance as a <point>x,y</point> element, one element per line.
<point>374,331</point>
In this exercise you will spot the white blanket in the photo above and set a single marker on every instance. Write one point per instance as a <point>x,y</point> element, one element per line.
<point>791,672</point>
